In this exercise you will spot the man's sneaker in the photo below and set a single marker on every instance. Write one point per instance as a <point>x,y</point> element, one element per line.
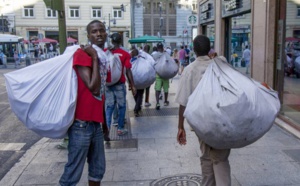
<point>166,103</point>
<point>147,104</point>
<point>136,114</point>
<point>106,137</point>
<point>157,106</point>
<point>160,97</point>
<point>122,132</point>
<point>115,123</point>
<point>63,144</point>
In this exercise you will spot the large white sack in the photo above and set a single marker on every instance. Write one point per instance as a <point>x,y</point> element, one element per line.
<point>143,73</point>
<point>43,96</point>
<point>230,110</point>
<point>114,68</point>
<point>148,57</point>
<point>165,65</point>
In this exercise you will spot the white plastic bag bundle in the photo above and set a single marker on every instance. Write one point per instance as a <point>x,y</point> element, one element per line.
<point>143,73</point>
<point>43,96</point>
<point>147,57</point>
<point>114,68</point>
<point>165,65</point>
<point>230,110</point>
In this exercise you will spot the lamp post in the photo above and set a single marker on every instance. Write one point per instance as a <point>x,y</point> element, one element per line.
<point>2,23</point>
<point>160,19</point>
<point>108,28</point>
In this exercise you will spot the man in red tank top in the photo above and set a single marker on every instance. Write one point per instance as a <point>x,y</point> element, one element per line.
<point>86,134</point>
<point>116,94</point>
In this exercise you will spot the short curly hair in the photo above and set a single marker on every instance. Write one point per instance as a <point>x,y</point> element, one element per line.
<point>201,45</point>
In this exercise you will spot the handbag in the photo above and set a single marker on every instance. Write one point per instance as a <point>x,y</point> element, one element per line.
<point>243,62</point>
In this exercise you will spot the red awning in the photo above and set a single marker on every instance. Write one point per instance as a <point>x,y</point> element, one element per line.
<point>25,41</point>
<point>45,40</point>
<point>292,39</point>
<point>71,40</point>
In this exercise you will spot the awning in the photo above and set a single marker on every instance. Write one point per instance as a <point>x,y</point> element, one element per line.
<point>292,39</point>
<point>146,39</point>
<point>45,40</point>
<point>71,40</point>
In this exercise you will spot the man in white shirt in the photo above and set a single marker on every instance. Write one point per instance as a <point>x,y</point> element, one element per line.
<point>168,50</point>
<point>247,57</point>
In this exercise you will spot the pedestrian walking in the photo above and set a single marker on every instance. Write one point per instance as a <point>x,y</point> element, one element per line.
<point>86,132</point>
<point>147,90</point>
<point>138,97</point>
<point>214,162</point>
<point>181,57</point>
<point>116,94</point>
<point>17,59</point>
<point>160,82</point>
<point>247,57</point>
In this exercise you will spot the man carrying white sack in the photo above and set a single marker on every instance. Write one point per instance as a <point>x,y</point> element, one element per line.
<point>214,162</point>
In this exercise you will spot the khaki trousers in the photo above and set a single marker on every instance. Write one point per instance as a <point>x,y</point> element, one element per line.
<point>215,166</point>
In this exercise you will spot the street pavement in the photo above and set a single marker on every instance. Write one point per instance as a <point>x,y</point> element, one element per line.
<point>273,160</point>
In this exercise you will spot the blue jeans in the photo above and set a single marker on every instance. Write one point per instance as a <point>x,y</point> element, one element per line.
<point>115,114</point>
<point>85,142</point>
<point>115,94</point>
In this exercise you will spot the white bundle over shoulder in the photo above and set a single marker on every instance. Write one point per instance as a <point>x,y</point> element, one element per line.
<point>43,96</point>
<point>143,73</point>
<point>230,110</point>
<point>114,67</point>
<point>165,65</point>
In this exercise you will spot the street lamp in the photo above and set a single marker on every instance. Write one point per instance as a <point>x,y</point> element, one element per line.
<point>108,28</point>
<point>160,19</point>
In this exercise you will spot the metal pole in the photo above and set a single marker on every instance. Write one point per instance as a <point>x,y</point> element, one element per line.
<point>108,40</point>
<point>2,23</point>
<point>187,36</point>
<point>160,22</point>
<point>62,27</point>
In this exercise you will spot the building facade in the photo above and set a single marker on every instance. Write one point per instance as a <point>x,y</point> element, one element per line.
<point>32,19</point>
<point>164,18</point>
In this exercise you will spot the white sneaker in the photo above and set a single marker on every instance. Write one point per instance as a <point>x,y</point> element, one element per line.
<point>147,104</point>
<point>115,123</point>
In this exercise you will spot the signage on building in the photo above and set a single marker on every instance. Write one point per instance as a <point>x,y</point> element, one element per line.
<point>235,7</point>
<point>206,13</point>
<point>49,28</point>
<point>192,20</point>
<point>231,4</point>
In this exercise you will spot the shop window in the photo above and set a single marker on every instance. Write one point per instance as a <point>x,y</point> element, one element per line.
<point>96,12</point>
<point>51,13</point>
<point>117,13</point>
<point>74,12</point>
<point>28,11</point>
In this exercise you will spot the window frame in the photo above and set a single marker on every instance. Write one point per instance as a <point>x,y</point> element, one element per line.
<point>28,8</point>
<point>71,9</point>
<point>52,11</point>
<point>97,9</point>
<point>118,9</point>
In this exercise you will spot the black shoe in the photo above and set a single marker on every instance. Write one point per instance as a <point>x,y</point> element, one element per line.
<point>166,103</point>
<point>106,136</point>
<point>157,106</point>
<point>136,114</point>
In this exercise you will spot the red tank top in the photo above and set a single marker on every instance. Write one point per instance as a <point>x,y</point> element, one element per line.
<point>88,108</point>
